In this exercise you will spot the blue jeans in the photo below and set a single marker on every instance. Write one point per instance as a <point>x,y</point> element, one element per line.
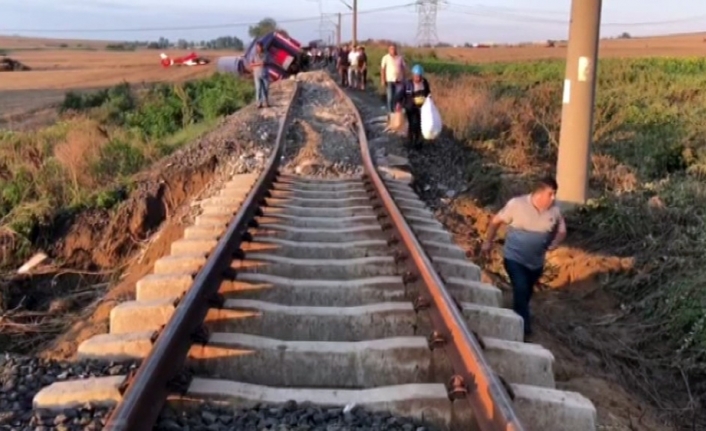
<point>261,89</point>
<point>391,91</point>
<point>523,280</point>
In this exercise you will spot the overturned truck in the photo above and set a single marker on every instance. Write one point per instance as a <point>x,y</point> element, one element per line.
<point>286,54</point>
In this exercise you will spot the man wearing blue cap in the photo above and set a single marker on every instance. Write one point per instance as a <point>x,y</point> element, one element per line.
<point>414,92</point>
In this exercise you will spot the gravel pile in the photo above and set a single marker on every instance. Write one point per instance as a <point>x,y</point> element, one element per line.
<point>22,377</point>
<point>321,140</point>
<point>290,416</point>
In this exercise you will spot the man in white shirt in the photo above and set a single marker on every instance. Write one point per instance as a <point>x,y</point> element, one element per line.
<point>353,69</point>
<point>392,72</point>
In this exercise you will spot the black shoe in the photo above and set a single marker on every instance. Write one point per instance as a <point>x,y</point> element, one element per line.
<point>528,337</point>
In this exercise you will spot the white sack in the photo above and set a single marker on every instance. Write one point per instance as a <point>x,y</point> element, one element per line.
<point>431,120</point>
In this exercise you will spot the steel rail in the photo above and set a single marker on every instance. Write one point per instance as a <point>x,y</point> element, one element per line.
<point>147,392</point>
<point>485,393</point>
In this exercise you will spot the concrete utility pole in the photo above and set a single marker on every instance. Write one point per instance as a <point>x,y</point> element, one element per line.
<point>355,22</point>
<point>338,30</point>
<point>578,102</point>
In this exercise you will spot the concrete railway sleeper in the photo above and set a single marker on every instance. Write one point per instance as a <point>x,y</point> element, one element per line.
<point>327,293</point>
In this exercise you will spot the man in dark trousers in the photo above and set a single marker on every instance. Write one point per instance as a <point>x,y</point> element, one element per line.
<point>362,67</point>
<point>411,97</point>
<point>342,64</point>
<point>535,225</point>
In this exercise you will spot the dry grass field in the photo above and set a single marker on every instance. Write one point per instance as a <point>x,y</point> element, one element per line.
<point>60,65</point>
<point>20,42</point>
<point>57,66</point>
<point>683,45</point>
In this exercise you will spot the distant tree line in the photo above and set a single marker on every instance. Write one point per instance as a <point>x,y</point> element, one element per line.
<point>265,26</point>
<point>221,43</point>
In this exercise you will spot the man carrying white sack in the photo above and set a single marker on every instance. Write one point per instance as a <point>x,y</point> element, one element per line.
<point>411,98</point>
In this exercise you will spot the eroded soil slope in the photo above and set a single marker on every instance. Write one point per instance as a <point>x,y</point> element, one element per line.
<point>94,250</point>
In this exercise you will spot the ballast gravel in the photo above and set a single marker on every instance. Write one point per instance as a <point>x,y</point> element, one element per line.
<point>290,416</point>
<point>21,377</point>
<point>321,138</point>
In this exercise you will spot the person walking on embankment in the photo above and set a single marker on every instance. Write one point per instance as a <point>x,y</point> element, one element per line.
<point>411,98</point>
<point>353,67</point>
<point>535,226</point>
<point>342,65</point>
<point>258,67</point>
<point>362,68</point>
<point>392,73</point>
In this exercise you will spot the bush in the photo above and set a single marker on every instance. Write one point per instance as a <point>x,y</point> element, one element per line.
<point>164,108</point>
<point>118,159</point>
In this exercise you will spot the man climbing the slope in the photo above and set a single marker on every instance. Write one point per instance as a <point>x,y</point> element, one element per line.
<point>392,72</point>
<point>258,67</point>
<point>535,225</point>
<point>411,98</point>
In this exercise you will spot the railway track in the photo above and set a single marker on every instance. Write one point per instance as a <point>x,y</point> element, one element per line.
<point>310,298</point>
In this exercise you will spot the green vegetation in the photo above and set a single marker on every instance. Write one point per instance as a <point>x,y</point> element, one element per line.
<point>86,159</point>
<point>649,166</point>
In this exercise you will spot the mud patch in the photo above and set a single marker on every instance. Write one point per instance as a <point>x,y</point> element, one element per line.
<point>100,239</point>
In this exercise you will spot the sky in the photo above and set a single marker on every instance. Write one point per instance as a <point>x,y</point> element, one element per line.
<point>458,21</point>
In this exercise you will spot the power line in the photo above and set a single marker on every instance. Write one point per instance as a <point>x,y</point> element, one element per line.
<point>195,27</point>
<point>525,10</point>
<point>505,9</point>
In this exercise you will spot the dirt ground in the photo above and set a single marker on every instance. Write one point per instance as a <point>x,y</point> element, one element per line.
<point>569,303</point>
<point>29,97</point>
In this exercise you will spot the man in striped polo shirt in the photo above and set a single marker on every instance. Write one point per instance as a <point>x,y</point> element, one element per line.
<point>535,225</point>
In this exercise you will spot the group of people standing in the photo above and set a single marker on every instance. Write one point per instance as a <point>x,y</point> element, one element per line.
<point>402,94</point>
<point>352,66</point>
